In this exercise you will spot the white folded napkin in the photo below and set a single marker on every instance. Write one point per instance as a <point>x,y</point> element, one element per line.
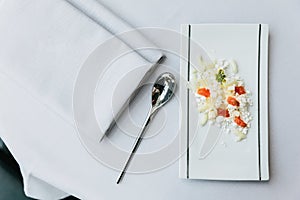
<point>43,45</point>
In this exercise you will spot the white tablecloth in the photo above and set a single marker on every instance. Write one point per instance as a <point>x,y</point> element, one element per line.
<point>65,165</point>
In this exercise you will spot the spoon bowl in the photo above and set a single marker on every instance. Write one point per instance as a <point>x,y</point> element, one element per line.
<point>163,89</point>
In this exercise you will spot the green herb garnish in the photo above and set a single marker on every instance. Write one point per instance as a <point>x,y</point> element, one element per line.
<point>220,76</point>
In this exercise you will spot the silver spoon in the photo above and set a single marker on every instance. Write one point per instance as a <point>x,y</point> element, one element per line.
<point>162,91</point>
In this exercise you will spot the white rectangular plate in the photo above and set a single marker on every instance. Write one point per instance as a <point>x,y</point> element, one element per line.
<point>247,44</point>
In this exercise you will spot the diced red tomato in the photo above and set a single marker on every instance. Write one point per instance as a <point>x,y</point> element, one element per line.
<point>204,92</point>
<point>240,90</point>
<point>223,112</point>
<point>233,101</point>
<point>240,122</point>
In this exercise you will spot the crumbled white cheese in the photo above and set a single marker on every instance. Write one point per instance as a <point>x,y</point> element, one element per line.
<point>220,78</point>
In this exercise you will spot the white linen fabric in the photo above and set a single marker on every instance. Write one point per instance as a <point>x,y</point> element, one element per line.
<point>43,45</point>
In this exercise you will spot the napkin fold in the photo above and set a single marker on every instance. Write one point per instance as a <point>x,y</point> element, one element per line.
<point>137,66</point>
<point>43,46</point>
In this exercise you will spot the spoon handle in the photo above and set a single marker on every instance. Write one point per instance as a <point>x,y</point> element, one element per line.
<point>136,144</point>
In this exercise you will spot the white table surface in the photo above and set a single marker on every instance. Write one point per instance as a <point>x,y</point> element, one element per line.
<point>98,181</point>
<point>282,17</point>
